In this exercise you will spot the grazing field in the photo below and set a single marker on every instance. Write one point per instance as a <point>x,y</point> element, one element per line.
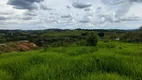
<point>107,61</point>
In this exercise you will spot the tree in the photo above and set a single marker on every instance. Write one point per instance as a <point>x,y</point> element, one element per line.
<point>101,34</point>
<point>84,34</point>
<point>91,40</point>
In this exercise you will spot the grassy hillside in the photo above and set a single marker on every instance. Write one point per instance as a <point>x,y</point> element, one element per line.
<point>111,61</point>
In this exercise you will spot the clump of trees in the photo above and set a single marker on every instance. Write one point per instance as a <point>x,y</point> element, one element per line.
<point>91,40</point>
<point>135,37</point>
<point>84,34</point>
<point>101,34</point>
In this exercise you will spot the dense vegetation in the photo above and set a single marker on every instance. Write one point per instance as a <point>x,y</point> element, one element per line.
<point>50,36</point>
<point>73,55</point>
<point>111,61</point>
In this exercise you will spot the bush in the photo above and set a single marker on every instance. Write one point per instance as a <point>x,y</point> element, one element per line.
<point>91,40</point>
<point>110,45</point>
<point>132,37</point>
<point>81,43</point>
<point>101,34</point>
<point>84,34</point>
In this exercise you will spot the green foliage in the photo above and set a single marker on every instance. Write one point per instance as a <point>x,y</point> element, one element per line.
<point>132,37</point>
<point>91,40</point>
<point>109,45</point>
<point>73,55</point>
<point>2,40</point>
<point>106,76</point>
<point>84,34</point>
<point>101,34</point>
<point>5,76</point>
<point>104,62</point>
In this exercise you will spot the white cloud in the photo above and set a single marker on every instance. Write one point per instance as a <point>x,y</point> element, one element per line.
<point>67,13</point>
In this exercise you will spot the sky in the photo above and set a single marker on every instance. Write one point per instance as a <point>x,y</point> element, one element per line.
<point>70,14</point>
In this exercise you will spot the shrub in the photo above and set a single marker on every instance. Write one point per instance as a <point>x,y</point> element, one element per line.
<point>91,40</point>
<point>101,34</point>
<point>84,34</point>
<point>110,45</point>
<point>112,37</point>
<point>81,43</point>
<point>132,37</point>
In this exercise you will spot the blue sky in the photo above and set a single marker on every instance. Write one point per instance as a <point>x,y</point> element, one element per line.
<point>70,14</point>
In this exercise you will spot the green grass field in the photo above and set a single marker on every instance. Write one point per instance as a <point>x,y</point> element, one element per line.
<point>111,61</point>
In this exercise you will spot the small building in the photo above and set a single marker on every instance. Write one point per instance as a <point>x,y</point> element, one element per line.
<point>117,39</point>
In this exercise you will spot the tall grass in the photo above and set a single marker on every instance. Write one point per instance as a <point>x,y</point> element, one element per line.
<point>104,62</point>
<point>4,75</point>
